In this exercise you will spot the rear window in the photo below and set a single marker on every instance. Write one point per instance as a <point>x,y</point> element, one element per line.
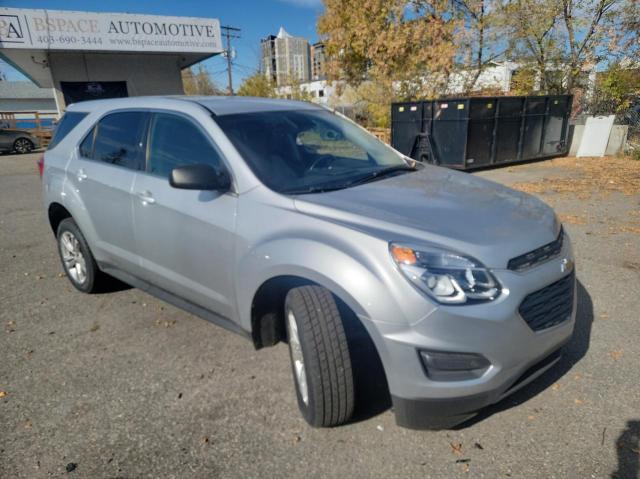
<point>67,123</point>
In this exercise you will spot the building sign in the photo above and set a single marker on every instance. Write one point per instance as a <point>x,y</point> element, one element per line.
<point>88,31</point>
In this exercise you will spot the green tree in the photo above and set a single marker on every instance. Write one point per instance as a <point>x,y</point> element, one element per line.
<point>616,89</point>
<point>257,84</point>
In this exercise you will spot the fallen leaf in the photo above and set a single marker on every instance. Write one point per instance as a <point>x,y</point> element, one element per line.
<point>456,448</point>
<point>531,418</point>
<point>616,354</point>
<point>555,387</point>
<point>3,394</point>
<point>578,401</point>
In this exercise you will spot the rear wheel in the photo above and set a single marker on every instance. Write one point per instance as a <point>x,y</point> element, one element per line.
<point>77,260</point>
<point>319,356</point>
<point>23,145</point>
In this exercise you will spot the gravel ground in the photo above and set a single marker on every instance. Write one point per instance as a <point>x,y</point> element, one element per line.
<point>123,385</point>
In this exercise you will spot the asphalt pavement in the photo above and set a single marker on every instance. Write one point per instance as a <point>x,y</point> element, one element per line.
<point>123,385</point>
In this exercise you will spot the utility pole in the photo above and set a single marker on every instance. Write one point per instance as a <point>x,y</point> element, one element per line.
<point>228,32</point>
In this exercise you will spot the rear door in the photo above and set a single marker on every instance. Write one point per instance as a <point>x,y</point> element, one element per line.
<point>107,162</point>
<point>185,238</point>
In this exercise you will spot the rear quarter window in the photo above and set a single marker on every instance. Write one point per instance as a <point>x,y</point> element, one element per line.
<point>67,123</point>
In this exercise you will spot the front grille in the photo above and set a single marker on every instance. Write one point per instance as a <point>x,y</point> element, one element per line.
<point>538,255</point>
<point>550,305</point>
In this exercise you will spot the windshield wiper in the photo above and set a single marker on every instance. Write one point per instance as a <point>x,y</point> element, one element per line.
<point>372,176</point>
<point>317,189</point>
<point>379,174</point>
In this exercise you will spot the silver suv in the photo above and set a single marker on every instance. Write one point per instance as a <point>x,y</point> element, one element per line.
<point>284,221</point>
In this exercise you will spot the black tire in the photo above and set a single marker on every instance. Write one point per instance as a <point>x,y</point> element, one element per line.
<point>23,145</point>
<point>94,278</point>
<point>326,361</point>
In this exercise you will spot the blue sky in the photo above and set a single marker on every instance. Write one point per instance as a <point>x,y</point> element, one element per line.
<point>256,18</point>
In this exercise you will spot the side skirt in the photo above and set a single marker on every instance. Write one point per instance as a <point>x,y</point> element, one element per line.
<point>176,301</point>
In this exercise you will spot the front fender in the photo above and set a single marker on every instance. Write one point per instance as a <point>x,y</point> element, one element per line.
<point>357,280</point>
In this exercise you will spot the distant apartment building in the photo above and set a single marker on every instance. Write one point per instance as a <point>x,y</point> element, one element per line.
<point>285,58</point>
<point>318,62</point>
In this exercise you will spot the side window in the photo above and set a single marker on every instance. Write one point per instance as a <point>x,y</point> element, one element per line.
<point>119,139</point>
<point>86,147</point>
<point>65,125</point>
<point>175,141</point>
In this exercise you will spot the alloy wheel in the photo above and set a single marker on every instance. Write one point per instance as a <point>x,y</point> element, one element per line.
<point>22,145</point>
<point>297,358</point>
<point>74,261</point>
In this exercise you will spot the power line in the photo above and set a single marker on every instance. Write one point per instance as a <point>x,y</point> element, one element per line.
<point>228,33</point>
<point>252,70</point>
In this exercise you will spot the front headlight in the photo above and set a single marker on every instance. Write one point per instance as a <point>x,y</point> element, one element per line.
<point>447,277</point>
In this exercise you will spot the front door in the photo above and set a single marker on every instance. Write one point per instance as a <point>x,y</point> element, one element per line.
<point>108,160</point>
<point>185,238</point>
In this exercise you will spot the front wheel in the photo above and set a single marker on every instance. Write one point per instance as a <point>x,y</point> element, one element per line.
<point>23,145</point>
<point>320,358</point>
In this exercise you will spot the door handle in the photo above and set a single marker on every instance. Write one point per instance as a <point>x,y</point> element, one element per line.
<point>81,175</point>
<point>146,197</point>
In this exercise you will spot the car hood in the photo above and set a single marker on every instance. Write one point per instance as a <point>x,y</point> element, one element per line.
<point>448,208</point>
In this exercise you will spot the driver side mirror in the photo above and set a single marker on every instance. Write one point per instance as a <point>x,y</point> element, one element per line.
<point>200,177</point>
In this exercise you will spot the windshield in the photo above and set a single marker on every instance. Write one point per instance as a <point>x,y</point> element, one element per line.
<point>307,151</point>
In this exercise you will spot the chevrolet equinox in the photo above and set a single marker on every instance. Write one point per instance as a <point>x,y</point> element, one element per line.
<point>285,221</point>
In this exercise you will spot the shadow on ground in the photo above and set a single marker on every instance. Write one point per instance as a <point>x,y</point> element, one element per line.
<point>573,352</point>
<point>370,382</point>
<point>112,285</point>
<point>628,451</point>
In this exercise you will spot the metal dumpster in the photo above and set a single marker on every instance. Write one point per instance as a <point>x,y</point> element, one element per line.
<point>468,133</point>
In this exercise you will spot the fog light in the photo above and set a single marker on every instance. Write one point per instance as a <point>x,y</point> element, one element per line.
<point>441,366</point>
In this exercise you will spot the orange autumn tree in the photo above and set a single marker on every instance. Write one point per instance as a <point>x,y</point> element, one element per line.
<point>404,46</point>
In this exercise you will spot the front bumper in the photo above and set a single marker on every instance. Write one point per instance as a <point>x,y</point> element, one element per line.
<point>448,412</point>
<point>495,330</point>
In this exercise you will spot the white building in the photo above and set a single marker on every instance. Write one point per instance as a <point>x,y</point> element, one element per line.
<point>88,55</point>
